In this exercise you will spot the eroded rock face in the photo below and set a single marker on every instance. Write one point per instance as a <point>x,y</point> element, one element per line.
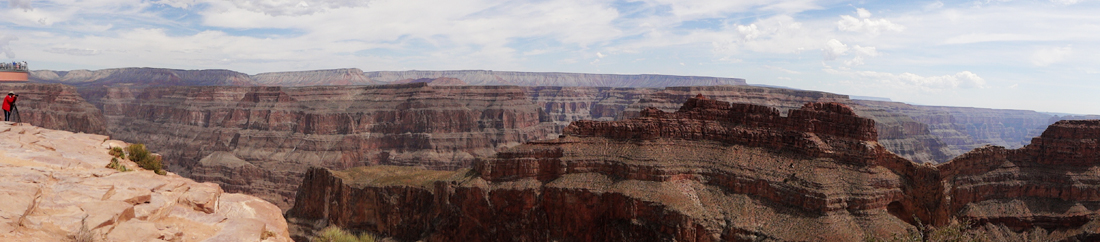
<point>55,106</point>
<point>352,76</point>
<point>898,132</point>
<point>54,182</point>
<point>1048,190</point>
<point>711,171</point>
<point>260,140</point>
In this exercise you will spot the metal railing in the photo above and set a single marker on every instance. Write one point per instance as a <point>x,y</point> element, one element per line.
<point>13,66</point>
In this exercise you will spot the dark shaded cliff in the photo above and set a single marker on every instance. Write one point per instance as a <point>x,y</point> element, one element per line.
<point>260,140</point>
<point>708,172</point>
<point>56,106</point>
<point>713,171</point>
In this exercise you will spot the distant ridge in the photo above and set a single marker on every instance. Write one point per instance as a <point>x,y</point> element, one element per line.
<point>488,77</point>
<point>145,76</point>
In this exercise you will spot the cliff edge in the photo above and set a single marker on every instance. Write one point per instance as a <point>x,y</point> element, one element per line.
<point>56,188</point>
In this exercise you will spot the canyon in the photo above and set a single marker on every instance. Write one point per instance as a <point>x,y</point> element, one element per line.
<point>716,171</point>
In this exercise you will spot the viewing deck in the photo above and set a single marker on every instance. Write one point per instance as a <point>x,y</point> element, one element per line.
<point>14,72</point>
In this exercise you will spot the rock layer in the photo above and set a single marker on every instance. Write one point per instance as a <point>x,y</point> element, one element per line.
<point>1048,190</point>
<point>714,171</point>
<point>55,106</point>
<point>260,140</point>
<point>708,172</point>
<point>54,183</point>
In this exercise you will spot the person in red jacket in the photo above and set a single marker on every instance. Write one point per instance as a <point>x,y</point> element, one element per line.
<point>9,103</point>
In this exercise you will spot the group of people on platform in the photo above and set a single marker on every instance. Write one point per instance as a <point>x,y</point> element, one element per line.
<point>21,66</point>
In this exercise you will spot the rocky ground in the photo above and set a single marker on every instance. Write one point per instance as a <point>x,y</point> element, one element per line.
<point>54,184</point>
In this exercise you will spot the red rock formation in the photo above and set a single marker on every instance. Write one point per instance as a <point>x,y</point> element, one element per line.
<point>1046,191</point>
<point>260,140</point>
<point>709,172</point>
<point>56,106</point>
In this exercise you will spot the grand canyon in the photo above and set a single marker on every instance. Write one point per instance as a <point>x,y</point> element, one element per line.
<point>524,156</point>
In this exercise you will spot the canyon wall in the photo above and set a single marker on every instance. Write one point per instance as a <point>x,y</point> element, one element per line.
<point>55,106</point>
<point>351,76</point>
<point>714,171</point>
<point>260,140</point>
<point>1048,190</point>
<point>709,172</point>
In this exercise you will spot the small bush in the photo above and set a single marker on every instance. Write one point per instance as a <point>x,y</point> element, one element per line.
<point>117,166</point>
<point>145,159</point>
<point>117,152</point>
<point>336,234</point>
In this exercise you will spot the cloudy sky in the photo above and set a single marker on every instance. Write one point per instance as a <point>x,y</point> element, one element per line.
<point>1036,55</point>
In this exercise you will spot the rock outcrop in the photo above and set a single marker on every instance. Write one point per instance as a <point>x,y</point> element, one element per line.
<point>1048,190</point>
<point>260,140</point>
<point>54,183</point>
<point>442,81</point>
<point>711,171</point>
<point>55,106</point>
<point>898,132</point>
<point>143,77</point>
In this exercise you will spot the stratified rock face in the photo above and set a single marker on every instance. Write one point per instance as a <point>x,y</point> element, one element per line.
<point>711,171</point>
<point>260,140</point>
<point>962,129</point>
<point>1048,190</point>
<point>351,76</point>
<point>482,77</point>
<point>54,182</point>
<point>441,81</point>
<point>897,132</point>
<point>564,105</point>
<point>55,106</point>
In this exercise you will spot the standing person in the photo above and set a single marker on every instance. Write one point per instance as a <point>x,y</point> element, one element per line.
<point>9,103</point>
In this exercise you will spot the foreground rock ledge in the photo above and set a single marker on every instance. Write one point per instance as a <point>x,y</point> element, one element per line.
<point>54,182</point>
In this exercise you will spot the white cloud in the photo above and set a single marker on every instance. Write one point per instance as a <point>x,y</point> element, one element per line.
<point>964,79</point>
<point>833,49</point>
<point>933,6</point>
<point>863,13</point>
<point>864,24</point>
<point>1048,56</point>
<point>600,55</point>
<point>5,42</point>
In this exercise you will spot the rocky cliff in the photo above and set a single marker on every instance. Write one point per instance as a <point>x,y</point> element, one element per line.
<point>899,132</point>
<point>260,140</point>
<point>55,106</point>
<point>1048,190</point>
<point>715,171</point>
<point>710,171</point>
<point>350,76</point>
<point>55,184</point>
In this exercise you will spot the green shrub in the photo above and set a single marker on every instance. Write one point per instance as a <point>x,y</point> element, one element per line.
<point>145,159</point>
<point>117,166</point>
<point>117,152</point>
<point>336,234</point>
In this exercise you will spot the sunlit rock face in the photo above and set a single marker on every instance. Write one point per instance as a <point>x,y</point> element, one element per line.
<point>55,106</point>
<point>260,140</point>
<point>55,183</point>
<point>711,171</point>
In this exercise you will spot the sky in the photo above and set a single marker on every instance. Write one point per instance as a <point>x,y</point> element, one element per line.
<point>1041,55</point>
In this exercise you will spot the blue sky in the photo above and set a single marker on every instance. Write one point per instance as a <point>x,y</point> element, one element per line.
<point>1035,55</point>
